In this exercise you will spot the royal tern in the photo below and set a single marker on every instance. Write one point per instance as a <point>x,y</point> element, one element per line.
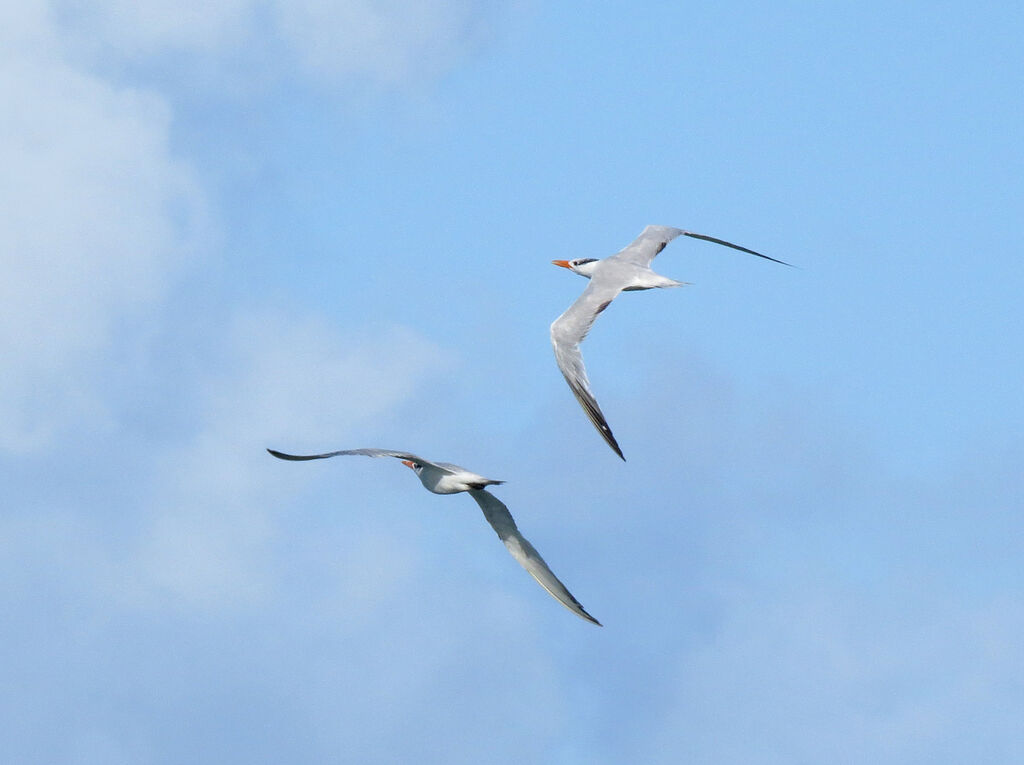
<point>446,478</point>
<point>628,269</point>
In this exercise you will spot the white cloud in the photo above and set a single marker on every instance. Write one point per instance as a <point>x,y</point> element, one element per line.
<point>389,41</point>
<point>307,379</point>
<point>284,381</point>
<point>99,216</point>
<point>217,592</point>
<point>150,586</point>
<point>199,530</point>
<point>386,42</point>
<point>143,27</point>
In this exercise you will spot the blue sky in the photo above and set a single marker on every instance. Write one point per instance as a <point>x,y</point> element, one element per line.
<point>318,226</point>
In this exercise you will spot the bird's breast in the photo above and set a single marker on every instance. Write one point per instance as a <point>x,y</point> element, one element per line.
<point>443,484</point>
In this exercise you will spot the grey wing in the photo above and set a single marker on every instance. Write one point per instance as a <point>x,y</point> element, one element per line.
<point>361,452</point>
<point>501,521</point>
<point>567,332</point>
<point>652,240</point>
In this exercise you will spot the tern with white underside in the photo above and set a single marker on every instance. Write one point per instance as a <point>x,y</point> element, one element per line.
<point>627,270</point>
<point>446,478</point>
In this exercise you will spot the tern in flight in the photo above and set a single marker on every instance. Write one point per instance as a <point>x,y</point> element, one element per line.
<point>445,478</point>
<point>628,269</point>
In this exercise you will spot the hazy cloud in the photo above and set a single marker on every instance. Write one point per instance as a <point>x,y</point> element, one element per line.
<point>284,382</point>
<point>830,673</point>
<point>152,26</point>
<point>388,42</point>
<point>99,218</point>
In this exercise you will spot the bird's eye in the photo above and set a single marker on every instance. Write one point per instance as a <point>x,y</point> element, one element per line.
<point>417,465</point>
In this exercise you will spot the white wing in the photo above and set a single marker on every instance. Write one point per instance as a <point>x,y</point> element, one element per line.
<point>567,332</point>
<point>501,520</point>
<point>366,453</point>
<point>652,240</point>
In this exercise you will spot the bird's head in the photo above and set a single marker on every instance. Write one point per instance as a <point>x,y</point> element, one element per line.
<point>582,266</point>
<point>415,466</point>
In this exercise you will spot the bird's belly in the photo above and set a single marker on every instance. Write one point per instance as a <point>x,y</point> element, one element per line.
<point>446,485</point>
<point>646,280</point>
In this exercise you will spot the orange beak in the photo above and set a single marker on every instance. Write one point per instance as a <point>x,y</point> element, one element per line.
<point>407,463</point>
<point>562,263</point>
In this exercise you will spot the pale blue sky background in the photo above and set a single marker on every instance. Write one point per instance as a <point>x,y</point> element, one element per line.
<point>316,226</point>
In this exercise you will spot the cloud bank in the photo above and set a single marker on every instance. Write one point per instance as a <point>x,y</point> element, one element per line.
<point>103,215</point>
<point>390,43</point>
<point>100,218</point>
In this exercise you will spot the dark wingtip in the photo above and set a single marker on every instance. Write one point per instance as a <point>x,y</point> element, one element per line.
<point>613,443</point>
<point>724,243</point>
<point>609,439</point>
<point>583,612</point>
<point>599,422</point>
<point>290,457</point>
<point>615,446</point>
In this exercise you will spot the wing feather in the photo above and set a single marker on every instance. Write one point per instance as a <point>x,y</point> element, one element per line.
<point>364,453</point>
<point>724,243</point>
<point>652,240</point>
<point>642,250</point>
<point>567,332</point>
<point>526,554</point>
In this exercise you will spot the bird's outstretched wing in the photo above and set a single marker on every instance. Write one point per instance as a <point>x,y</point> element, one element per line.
<point>567,332</point>
<point>501,521</point>
<point>642,250</point>
<point>364,453</point>
<point>653,239</point>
